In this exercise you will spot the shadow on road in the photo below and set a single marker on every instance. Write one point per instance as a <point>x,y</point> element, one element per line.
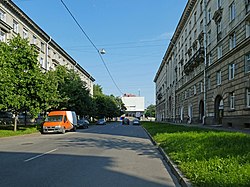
<point>63,170</point>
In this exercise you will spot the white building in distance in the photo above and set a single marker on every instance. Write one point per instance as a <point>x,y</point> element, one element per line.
<point>134,104</point>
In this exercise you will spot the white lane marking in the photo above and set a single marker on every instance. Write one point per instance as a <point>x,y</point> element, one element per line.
<point>32,158</point>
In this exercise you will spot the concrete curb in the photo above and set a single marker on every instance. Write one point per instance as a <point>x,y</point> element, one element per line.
<point>183,181</point>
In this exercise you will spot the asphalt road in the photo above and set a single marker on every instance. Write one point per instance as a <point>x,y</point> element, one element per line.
<point>103,156</point>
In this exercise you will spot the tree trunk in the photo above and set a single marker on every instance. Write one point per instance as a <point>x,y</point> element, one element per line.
<point>15,122</point>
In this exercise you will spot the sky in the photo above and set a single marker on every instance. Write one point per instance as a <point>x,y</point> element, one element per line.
<point>134,34</point>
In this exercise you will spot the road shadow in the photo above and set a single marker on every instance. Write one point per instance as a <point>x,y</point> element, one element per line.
<point>59,170</point>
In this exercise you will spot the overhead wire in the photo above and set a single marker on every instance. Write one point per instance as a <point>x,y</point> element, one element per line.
<point>92,45</point>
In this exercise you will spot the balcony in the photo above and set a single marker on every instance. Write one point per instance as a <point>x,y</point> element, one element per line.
<point>4,26</point>
<point>159,96</point>
<point>194,61</point>
<point>35,47</point>
<point>217,15</point>
<point>55,61</point>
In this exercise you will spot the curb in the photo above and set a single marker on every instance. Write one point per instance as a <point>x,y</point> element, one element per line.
<point>183,181</point>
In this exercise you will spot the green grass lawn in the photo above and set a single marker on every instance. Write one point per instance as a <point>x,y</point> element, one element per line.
<point>8,130</point>
<point>207,157</point>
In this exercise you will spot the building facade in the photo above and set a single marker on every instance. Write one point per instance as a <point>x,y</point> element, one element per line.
<point>14,21</point>
<point>207,65</point>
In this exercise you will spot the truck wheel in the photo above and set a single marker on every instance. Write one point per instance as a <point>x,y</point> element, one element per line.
<point>63,130</point>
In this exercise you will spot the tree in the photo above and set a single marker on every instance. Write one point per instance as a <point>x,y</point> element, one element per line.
<point>22,82</point>
<point>150,111</point>
<point>97,90</point>
<point>72,91</point>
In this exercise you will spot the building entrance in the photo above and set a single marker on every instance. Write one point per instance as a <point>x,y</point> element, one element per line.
<point>218,109</point>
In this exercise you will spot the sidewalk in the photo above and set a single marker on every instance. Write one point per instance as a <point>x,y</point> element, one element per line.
<point>215,127</point>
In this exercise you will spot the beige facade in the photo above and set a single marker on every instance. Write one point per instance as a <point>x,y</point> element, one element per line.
<point>207,75</point>
<point>14,21</point>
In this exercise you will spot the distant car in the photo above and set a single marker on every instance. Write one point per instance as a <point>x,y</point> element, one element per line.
<point>101,122</point>
<point>82,123</point>
<point>125,121</point>
<point>136,122</point>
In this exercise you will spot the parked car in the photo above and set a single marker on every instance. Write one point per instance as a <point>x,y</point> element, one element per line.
<point>82,123</point>
<point>125,121</point>
<point>101,122</point>
<point>136,122</point>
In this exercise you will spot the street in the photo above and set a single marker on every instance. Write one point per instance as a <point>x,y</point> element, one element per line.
<point>110,155</point>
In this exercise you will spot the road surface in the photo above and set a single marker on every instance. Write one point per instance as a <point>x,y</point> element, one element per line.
<point>103,156</point>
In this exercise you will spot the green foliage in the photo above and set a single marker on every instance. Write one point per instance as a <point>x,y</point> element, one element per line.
<point>97,90</point>
<point>22,80</point>
<point>107,106</point>
<point>207,157</point>
<point>72,92</point>
<point>150,111</point>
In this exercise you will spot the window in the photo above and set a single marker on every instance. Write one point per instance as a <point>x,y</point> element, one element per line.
<point>209,15</point>
<point>34,40</point>
<point>2,36</point>
<point>219,3</point>
<point>42,62</point>
<point>232,41</point>
<point>42,46</point>
<point>195,34</point>
<point>210,59</point>
<point>2,15</point>
<point>208,82</point>
<point>247,63</point>
<point>201,85</point>
<point>25,33</point>
<point>232,101</point>
<point>219,51</point>
<point>219,27</point>
<point>194,89</point>
<point>231,71</point>
<point>218,77</point>
<point>248,29</point>
<point>195,17</point>
<point>201,25</point>
<point>15,26</point>
<point>232,11</point>
<point>201,7</point>
<point>190,42</point>
<point>209,37</point>
<point>248,97</point>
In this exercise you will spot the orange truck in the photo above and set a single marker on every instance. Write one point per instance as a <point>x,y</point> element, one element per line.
<point>60,122</point>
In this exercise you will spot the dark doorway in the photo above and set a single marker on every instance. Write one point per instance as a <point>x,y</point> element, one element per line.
<point>201,111</point>
<point>218,109</point>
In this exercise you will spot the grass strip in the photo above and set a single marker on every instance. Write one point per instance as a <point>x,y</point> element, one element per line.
<point>207,157</point>
<point>6,131</point>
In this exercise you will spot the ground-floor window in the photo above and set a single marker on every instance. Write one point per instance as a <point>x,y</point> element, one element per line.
<point>232,100</point>
<point>248,97</point>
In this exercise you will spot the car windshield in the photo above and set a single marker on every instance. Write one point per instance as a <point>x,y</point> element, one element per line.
<point>54,118</point>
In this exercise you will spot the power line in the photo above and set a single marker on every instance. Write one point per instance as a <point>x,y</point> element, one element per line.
<point>92,45</point>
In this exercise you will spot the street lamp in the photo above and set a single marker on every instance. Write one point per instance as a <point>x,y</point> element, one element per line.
<point>102,51</point>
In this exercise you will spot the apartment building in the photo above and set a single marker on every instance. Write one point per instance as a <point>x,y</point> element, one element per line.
<point>14,21</point>
<point>206,68</point>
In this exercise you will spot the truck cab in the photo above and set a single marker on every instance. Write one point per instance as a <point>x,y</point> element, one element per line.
<point>60,122</point>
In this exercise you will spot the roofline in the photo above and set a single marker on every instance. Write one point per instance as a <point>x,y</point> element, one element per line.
<point>44,35</point>
<point>188,8</point>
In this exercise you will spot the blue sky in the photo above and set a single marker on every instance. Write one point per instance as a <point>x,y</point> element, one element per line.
<point>134,33</point>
